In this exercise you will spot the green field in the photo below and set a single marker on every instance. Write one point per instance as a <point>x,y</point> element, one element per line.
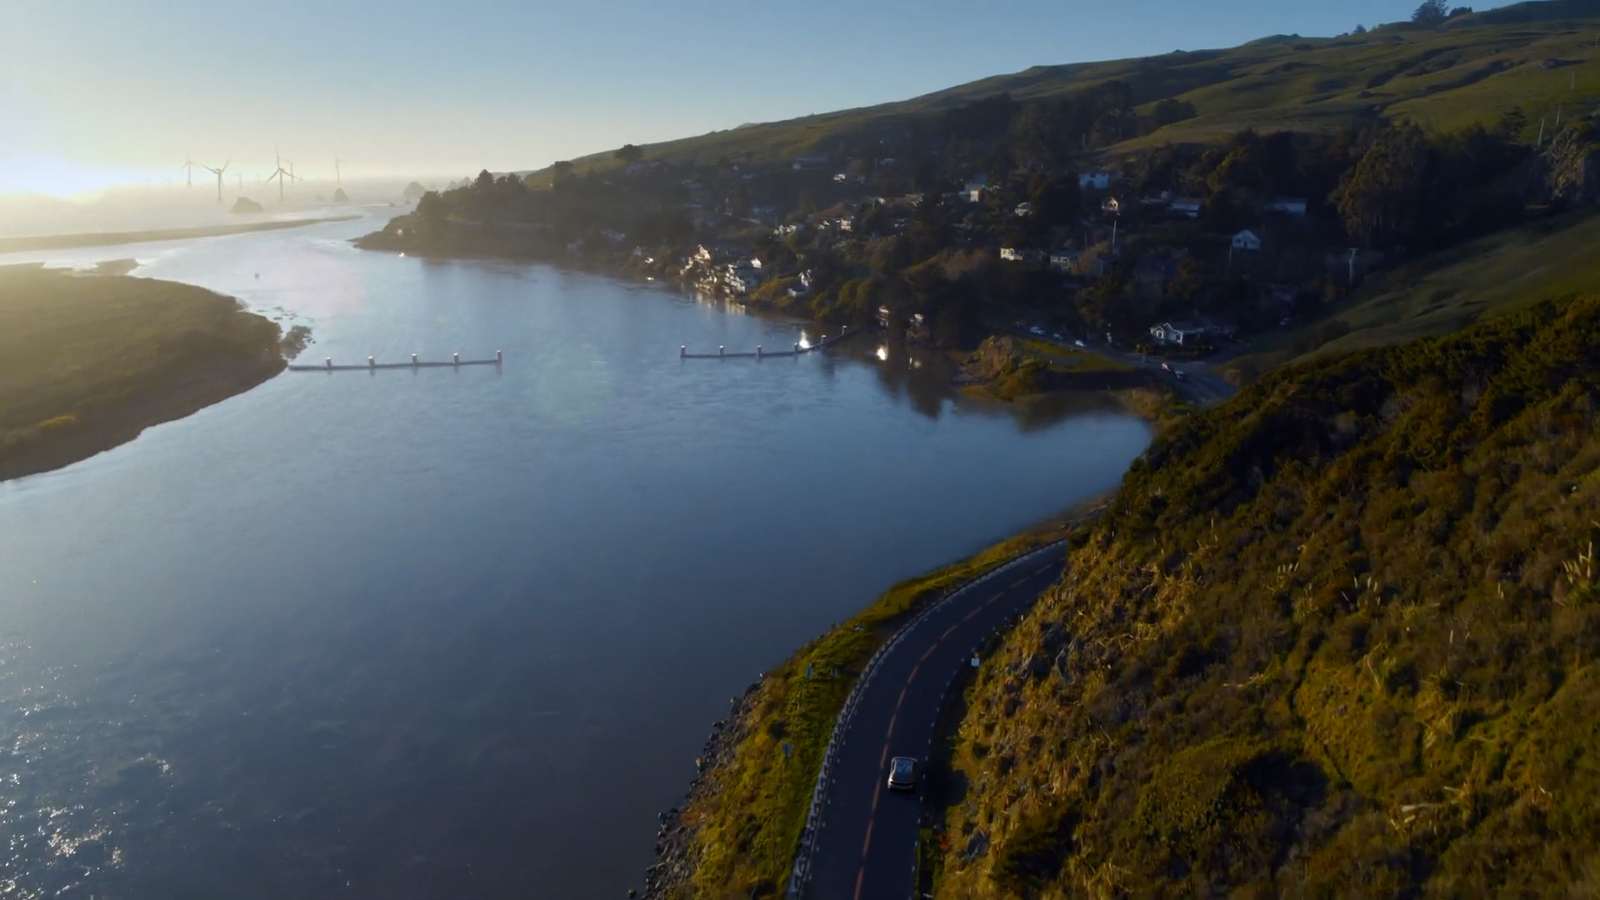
<point>1443,292</point>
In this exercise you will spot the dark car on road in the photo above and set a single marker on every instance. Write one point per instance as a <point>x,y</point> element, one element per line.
<point>902,774</point>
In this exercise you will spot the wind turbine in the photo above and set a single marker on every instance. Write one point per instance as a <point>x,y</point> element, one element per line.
<point>188,168</point>
<point>280,173</point>
<point>218,173</point>
<point>337,178</point>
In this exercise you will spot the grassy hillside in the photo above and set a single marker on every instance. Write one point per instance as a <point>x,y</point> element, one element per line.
<point>1338,637</point>
<point>1536,55</point>
<point>1441,293</point>
<point>89,361</point>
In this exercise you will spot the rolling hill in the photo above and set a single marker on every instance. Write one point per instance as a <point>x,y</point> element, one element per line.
<point>1471,70</point>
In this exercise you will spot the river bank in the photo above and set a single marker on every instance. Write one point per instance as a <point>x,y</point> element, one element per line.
<point>88,361</point>
<point>739,825</point>
<point>113,238</point>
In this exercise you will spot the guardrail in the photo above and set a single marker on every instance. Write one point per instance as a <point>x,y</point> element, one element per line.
<point>801,873</point>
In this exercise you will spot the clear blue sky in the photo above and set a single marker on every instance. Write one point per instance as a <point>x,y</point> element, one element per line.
<point>96,90</point>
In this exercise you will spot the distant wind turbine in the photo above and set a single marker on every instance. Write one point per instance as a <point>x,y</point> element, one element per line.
<point>337,178</point>
<point>188,168</point>
<point>218,173</point>
<point>281,174</point>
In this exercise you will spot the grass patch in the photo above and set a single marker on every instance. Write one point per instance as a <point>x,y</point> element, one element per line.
<point>89,361</point>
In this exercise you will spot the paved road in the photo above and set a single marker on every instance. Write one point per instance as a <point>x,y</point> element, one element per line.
<point>866,849</point>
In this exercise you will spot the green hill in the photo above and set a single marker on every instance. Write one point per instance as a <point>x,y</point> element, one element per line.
<point>1470,71</point>
<point>1440,293</point>
<point>1338,637</point>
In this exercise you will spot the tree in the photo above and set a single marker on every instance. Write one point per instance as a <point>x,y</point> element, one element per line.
<point>1382,193</point>
<point>629,153</point>
<point>1461,11</point>
<point>1431,13</point>
<point>560,173</point>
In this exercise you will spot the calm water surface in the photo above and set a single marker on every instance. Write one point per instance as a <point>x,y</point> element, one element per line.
<point>459,634</point>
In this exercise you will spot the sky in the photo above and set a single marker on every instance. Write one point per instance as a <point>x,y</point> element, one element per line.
<point>96,92</point>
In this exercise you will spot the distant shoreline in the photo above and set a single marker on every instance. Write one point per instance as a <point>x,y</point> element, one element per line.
<point>112,238</point>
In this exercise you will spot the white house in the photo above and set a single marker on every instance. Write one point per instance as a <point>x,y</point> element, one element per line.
<point>1176,332</point>
<point>1111,206</point>
<point>1188,207</point>
<point>1294,206</point>
<point>1098,180</point>
<point>1023,210</point>
<point>1021,254</point>
<point>1246,240</point>
<point>1064,260</point>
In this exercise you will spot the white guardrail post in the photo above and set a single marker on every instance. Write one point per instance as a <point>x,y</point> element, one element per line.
<point>801,873</point>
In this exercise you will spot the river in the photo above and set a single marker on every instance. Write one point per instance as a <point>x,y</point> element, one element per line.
<point>460,633</point>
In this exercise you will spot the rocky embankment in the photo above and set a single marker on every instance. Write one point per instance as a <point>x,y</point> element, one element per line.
<point>671,876</point>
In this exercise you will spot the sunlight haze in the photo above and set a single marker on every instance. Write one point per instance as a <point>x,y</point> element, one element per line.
<point>98,92</point>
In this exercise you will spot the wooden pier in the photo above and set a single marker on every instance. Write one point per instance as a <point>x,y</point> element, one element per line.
<point>372,365</point>
<point>762,353</point>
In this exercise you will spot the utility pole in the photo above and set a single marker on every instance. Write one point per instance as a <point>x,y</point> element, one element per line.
<point>1353,252</point>
<point>1540,143</point>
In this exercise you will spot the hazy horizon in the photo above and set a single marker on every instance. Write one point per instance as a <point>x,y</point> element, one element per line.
<point>102,93</point>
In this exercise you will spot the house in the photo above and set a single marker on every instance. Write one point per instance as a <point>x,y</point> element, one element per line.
<point>1294,206</point>
<point>1177,333</point>
<point>972,191</point>
<point>1023,210</point>
<point>804,287</point>
<point>1111,206</point>
<point>1021,254</point>
<point>806,162</point>
<point>1159,198</point>
<point>919,328</point>
<point>1065,260</point>
<point>1098,180</point>
<point>1247,240</point>
<point>842,177</point>
<point>741,278</point>
<point>613,235</point>
<point>1188,207</point>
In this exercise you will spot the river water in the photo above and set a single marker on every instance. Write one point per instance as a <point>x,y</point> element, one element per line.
<point>460,633</point>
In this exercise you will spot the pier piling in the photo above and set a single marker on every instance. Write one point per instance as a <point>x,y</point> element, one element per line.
<point>413,360</point>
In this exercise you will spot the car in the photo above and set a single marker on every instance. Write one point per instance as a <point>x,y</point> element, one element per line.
<point>1057,336</point>
<point>1166,367</point>
<point>1077,343</point>
<point>1179,374</point>
<point>1036,330</point>
<point>902,774</point>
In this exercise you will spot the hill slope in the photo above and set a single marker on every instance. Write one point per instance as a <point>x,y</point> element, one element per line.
<point>1338,637</point>
<point>1442,292</point>
<point>1470,71</point>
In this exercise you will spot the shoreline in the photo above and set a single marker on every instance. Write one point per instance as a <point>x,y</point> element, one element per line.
<point>116,238</point>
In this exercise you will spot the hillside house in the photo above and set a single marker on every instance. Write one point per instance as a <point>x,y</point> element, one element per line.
<point>1293,206</point>
<point>804,287</point>
<point>1023,210</point>
<point>1021,254</point>
<point>1247,240</point>
<point>1098,180</point>
<point>1188,207</point>
<point>1177,333</point>
<point>1111,206</point>
<point>1064,260</point>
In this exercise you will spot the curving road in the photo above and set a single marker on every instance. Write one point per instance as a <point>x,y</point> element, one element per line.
<point>866,847</point>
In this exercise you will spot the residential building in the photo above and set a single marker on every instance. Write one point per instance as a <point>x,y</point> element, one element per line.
<point>1188,207</point>
<point>1098,180</point>
<point>1024,210</point>
<point>1247,240</point>
<point>1294,206</point>
<point>1065,260</point>
<point>1177,333</point>
<point>1111,206</point>
<point>1021,254</point>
